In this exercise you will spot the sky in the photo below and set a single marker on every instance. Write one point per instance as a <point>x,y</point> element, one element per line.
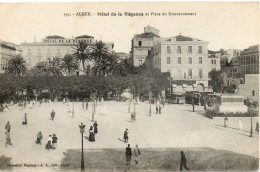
<point>228,25</point>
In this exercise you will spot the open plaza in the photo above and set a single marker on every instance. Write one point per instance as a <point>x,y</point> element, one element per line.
<point>160,137</point>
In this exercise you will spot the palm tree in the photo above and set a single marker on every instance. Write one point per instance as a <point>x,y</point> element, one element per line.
<point>100,51</point>
<point>82,52</point>
<point>53,67</point>
<point>69,64</point>
<point>17,65</point>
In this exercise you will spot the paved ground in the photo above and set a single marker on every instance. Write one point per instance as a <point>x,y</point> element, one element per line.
<point>176,127</point>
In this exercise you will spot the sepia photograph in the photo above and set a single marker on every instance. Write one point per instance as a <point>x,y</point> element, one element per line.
<point>129,86</point>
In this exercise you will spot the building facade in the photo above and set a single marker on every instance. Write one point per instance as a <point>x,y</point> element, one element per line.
<point>187,60</point>
<point>54,46</point>
<point>142,44</point>
<point>230,62</point>
<point>7,51</point>
<point>249,59</point>
<point>251,87</point>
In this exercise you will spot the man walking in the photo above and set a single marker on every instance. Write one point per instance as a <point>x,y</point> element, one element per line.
<point>8,138</point>
<point>8,127</point>
<point>193,104</point>
<point>128,153</point>
<point>126,136</point>
<point>183,162</point>
<point>95,125</point>
<point>52,115</point>
<point>137,153</point>
<point>225,121</point>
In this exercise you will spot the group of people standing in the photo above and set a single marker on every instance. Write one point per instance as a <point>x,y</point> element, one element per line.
<point>52,142</point>
<point>93,131</point>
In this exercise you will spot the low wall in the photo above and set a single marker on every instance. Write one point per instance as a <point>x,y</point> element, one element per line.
<point>233,122</point>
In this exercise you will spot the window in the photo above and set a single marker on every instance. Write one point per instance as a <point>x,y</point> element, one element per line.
<point>200,60</point>
<point>179,60</point>
<point>179,49</point>
<point>140,43</point>
<point>190,60</point>
<point>253,93</point>
<point>168,60</point>
<point>200,49</point>
<point>29,61</point>
<point>29,51</point>
<point>184,75</point>
<point>213,61</point>
<point>189,49</point>
<point>179,73</point>
<point>168,49</point>
<point>190,73</point>
<point>200,73</point>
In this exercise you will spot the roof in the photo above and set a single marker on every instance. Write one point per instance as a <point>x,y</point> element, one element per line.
<point>183,38</point>
<point>211,52</point>
<point>147,35</point>
<point>84,36</point>
<point>55,37</point>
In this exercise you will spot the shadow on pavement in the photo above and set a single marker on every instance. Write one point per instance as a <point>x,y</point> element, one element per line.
<point>4,161</point>
<point>164,159</point>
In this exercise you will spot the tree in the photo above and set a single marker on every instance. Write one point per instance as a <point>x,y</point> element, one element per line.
<point>82,52</point>
<point>17,66</point>
<point>69,64</point>
<point>100,54</point>
<point>54,67</point>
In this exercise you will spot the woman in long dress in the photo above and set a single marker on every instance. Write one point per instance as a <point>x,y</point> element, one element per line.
<point>240,124</point>
<point>91,134</point>
<point>48,145</point>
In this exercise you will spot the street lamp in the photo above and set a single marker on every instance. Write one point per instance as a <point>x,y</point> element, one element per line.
<point>82,129</point>
<point>150,97</point>
<point>72,106</point>
<point>251,130</point>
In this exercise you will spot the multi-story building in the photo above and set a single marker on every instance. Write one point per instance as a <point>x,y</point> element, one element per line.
<point>54,46</point>
<point>142,44</point>
<point>230,62</point>
<point>187,61</point>
<point>250,60</point>
<point>251,87</point>
<point>214,60</point>
<point>7,51</point>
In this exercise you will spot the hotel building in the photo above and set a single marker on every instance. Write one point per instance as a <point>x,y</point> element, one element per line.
<point>54,46</point>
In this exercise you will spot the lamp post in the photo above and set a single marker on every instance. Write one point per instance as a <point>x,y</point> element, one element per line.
<point>150,97</point>
<point>73,106</point>
<point>82,129</point>
<point>251,130</point>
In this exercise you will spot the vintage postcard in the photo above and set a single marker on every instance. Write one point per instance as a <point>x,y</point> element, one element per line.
<point>129,86</point>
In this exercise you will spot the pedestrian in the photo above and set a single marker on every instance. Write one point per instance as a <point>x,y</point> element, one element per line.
<point>137,153</point>
<point>25,119</point>
<point>91,134</point>
<point>240,124</point>
<point>8,138</point>
<point>83,105</point>
<point>193,105</point>
<point>128,153</point>
<point>52,115</point>
<point>225,121</point>
<point>160,109</point>
<point>86,105</point>
<point>257,127</point>
<point>183,162</point>
<point>126,136</point>
<point>163,102</point>
<point>63,100</point>
<point>39,138</point>
<point>8,126</point>
<point>6,108</point>
<point>157,109</point>
<point>54,141</point>
<point>48,145</point>
<point>95,125</point>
